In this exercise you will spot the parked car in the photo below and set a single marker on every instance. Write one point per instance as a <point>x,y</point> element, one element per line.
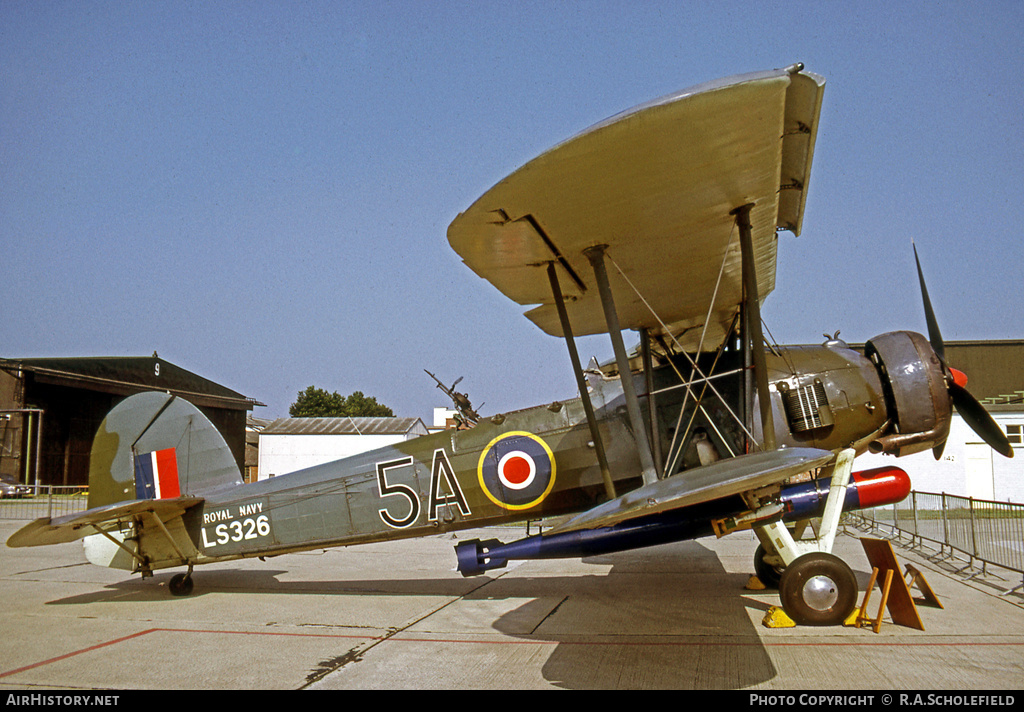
<point>9,487</point>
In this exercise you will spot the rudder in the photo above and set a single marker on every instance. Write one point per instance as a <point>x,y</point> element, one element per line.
<point>157,446</point>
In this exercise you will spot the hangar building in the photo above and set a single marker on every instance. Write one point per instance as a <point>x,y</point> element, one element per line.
<point>51,408</point>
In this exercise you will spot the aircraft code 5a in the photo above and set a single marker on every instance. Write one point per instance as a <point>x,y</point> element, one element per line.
<point>407,507</point>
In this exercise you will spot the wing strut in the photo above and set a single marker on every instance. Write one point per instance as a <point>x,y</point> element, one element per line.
<point>581,383</point>
<point>752,334</point>
<point>596,256</point>
<point>652,406</point>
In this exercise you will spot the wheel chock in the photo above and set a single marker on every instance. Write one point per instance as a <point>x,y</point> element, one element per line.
<point>754,584</point>
<point>777,618</point>
<point>853,620</point>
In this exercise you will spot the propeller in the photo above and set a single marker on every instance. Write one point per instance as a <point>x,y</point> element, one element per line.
<point>973,412</point>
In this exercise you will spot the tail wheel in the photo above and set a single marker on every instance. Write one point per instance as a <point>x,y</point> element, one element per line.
<point>818,589</point>
<point>180,584</point>
<point>769,574</point>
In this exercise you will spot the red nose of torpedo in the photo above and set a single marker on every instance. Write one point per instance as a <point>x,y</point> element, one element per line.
<point>882,485</point>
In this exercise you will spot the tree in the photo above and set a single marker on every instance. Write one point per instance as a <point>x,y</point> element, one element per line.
<point>317,403</point>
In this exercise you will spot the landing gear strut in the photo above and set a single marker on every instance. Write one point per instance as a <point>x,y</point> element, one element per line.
<point>816,587</point>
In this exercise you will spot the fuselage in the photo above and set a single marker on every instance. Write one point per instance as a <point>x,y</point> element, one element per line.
<point>540,462</point>
<point>528,464</point>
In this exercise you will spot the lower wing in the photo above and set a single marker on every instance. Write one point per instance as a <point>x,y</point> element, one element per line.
<point>703,484</point>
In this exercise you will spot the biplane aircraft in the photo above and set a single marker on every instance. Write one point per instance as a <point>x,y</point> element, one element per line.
<point>662,220</point>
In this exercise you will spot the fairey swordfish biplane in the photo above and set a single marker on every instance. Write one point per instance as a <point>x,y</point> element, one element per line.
<point>663,220</point>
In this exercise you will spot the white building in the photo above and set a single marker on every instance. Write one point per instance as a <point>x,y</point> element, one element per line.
<point>290,444</point>
<point>444,418</point>
<point>968,466</point>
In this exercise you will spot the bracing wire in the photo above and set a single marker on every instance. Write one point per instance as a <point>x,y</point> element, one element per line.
<point>666,330</point>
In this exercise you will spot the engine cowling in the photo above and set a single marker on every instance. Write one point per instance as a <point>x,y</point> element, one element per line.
<point>916,394</point>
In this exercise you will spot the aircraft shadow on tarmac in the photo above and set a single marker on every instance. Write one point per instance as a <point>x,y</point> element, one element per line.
<point>666,617</point>
<point>265,581</point>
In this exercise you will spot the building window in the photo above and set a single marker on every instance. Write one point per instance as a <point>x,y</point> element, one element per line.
<point>1014,434</point>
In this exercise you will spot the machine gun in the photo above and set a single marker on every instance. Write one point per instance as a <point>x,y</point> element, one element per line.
<point>466,413</point>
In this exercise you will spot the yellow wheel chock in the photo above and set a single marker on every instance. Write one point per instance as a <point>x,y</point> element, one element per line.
<point>777,618</point>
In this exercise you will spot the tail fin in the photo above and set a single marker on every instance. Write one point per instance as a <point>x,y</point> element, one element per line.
<point>157,446</point>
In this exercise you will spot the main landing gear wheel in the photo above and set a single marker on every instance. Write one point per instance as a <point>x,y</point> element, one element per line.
<point>180,584</point>
<point>818,589</point>
<point>768,574</point>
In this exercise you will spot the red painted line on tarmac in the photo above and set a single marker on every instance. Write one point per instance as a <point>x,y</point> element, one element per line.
<point>141,633</point>
<point>77,652</point>
<point>676,644</point>
<point>697,644</point>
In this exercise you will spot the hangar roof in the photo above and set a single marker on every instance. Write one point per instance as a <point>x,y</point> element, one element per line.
<point>125,375</point>
<point>344,426</point>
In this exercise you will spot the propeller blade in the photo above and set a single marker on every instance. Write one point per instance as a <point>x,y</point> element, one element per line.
<point>973,412</point>
<point>975,415</point>
<point>929,314</point>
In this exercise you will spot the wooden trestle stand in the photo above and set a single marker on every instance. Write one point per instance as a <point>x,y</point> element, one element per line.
<point>895,590</point>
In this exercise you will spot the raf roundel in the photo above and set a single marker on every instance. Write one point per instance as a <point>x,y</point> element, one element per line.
<point>517,470</point>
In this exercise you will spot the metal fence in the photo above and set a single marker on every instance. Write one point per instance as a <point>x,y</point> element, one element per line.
<point>46,501</point>
<point>981,532</point>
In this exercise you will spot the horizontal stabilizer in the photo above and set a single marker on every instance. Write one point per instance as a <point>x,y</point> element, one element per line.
<point>71,527</point>
<point>721,479</point>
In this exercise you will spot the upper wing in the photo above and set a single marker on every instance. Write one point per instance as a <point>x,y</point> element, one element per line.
<point>656,184</point>
<point>702,484</point>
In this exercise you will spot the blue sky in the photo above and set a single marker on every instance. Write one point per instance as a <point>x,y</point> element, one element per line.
<point>260,191</point>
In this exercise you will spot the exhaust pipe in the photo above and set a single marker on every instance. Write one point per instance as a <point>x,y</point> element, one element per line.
<point>894,444</point>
